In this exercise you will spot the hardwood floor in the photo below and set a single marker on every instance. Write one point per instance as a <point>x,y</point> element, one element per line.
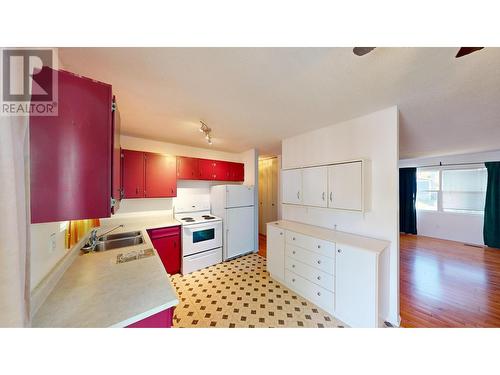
<point>448,284</point>
<point>445,283</point>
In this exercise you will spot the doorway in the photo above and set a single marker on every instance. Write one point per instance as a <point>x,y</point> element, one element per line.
<point>268,193</point>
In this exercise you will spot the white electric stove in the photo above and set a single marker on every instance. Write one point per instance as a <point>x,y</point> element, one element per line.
<point>201,236</point>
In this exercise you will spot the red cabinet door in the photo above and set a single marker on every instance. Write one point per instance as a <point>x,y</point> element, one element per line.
<point>70,154</point>
<point>221,170</point>
<point>161,179</point>
<point>206,169</point>
<point>133,174</point>
<point>187,168</point>
<point>116,178</point>
<point>237,171</point>
<point>167,242</point>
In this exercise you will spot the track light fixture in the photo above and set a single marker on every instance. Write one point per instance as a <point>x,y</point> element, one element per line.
<point>207,131</point>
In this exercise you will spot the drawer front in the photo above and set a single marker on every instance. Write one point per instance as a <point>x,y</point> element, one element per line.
<point>314,293</point>
<point>322,247</point>
<point>312,274</point>
<point>315,260</point>
<point>202,260</point>
<point>163,232</point>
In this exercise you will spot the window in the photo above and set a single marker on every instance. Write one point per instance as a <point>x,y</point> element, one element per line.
<point>452,190</point>
<point>427,189</point>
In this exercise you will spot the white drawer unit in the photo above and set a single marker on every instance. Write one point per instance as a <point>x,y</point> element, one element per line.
<point>316,260</point>
<point>342,275</point>
<point>312,274</point>
<point>311,291</point>
<point>310,243</point>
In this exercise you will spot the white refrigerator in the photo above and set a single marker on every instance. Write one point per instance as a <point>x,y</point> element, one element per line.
<point>235,204</point>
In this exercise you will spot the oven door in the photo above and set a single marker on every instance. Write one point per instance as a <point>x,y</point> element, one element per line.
<point>201,237</point>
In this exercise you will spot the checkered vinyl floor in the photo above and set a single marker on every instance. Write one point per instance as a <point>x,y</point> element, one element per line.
<point>241,294</point>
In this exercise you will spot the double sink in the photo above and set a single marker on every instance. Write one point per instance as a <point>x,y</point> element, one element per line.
<point>119,240</point>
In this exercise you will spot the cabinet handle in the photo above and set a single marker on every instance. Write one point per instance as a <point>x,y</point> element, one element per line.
<point>339,251</point>
<point>319,261</point>
<point>331,197</point>
<point>293,252</point>
<point>319,293</point>
<point>319,246</point>
<point>137,190</point>
<point>298,195</point>
<point>281,233</point>
<point>293,238</point>
<point>293,265</point>
<point>319,277</point>
<point>323,196</point>
<point>293,280</point>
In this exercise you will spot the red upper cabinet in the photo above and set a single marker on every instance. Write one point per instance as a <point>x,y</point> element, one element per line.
<point>148,175</point>
<point>187,168</point>
<point>237,171</point>
<point>116,178</point>
<point>133,174</point>
<point>206,169</point>
<point>221,170</point>
<point>160,176</point>
<point>71,154</point>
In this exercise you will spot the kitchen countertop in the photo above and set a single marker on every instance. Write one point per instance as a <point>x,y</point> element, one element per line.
<point>362,242</point>
<point>95,291</point>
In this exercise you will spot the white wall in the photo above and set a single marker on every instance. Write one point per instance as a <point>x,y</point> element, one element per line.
<point>373,137</point>
<point>14,241</point>
<point>461,227</point>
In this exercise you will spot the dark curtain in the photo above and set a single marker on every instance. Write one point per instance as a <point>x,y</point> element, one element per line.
<point>407,198</point>
<point>491,229</point>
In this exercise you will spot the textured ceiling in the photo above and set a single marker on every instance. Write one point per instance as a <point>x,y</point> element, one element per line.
<point>254,97</point>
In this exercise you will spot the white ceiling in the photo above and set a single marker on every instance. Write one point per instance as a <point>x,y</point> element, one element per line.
<point>254,97</point>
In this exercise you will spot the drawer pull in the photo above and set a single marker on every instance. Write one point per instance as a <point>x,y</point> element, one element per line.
<point>319,294</point>
<point>319,246</point>
<point>293,238</point>
<point>293,280</point>
<point>281,233</point>
<point>319,261</point>
<point>339,251</point>
<point>319,277</point>
<point>293,265</point>
<point>293,252</point>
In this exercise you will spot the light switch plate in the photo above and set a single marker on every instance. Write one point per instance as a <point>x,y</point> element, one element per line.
<point>52,243</point>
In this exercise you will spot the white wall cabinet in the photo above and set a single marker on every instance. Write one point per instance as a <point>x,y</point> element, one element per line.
<point>315,186</point>
<point>291,182</point>
<point>341,279</point>
<point>356,292</point>
<point>338,186</point>
<point>276,257</point>
<point>345,185</point>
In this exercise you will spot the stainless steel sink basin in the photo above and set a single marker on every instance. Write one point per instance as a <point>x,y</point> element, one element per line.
<point>119,236</point>
<point>119,242</point>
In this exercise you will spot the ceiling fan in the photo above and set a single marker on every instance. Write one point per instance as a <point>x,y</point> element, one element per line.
<point>361,51</point>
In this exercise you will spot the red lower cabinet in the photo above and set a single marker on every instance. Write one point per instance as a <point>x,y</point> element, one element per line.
<point>167,242</point>
<point>163,319</point>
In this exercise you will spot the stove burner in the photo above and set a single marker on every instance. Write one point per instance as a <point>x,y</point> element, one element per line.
<point>206,217</point>
<point>188,219</point>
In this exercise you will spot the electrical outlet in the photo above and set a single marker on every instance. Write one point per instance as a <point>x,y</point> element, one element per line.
<point>52,243</point>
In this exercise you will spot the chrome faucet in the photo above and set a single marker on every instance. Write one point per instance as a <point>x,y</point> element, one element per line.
<point>92,241</point>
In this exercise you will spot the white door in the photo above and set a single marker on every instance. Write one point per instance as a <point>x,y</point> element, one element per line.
<point>345,186</point>
<point>275,252</point>
<point>239,232</point>
<point>356,286</point>
<point>315,186</point>
<point>291,182</point>
<point>239,196</point>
